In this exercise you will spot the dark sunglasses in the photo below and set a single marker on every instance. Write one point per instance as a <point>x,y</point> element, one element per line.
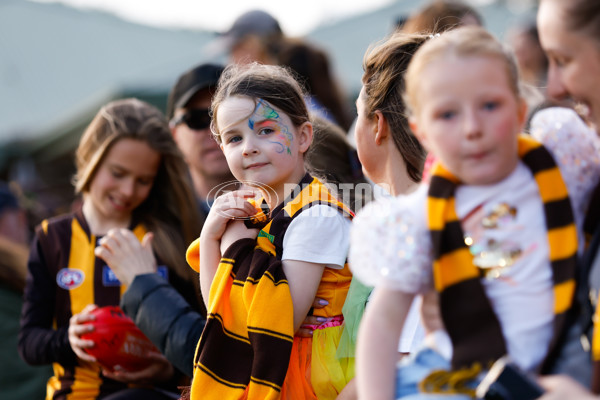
<point>195,118</point>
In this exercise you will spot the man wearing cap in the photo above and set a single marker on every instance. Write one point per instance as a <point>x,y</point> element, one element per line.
<point>188,113</point>
<point>252,37</point>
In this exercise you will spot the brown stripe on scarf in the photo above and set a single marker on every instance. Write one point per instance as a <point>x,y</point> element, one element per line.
<point>246,344</point>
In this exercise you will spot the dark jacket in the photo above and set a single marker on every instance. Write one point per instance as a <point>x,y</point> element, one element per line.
<point>166,318</point>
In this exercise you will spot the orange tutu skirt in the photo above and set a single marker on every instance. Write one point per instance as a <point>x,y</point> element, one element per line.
<point>315,372</point>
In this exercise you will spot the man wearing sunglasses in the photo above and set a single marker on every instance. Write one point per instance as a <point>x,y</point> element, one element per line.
<point>189,120</point>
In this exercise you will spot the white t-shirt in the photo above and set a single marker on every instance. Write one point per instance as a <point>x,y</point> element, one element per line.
<point>319,234</point>
<point>391,245</point>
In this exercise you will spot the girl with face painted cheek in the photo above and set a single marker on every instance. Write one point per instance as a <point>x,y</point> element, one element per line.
<point>479,232</point>
<point>260,273</point>
<point>129,173</point>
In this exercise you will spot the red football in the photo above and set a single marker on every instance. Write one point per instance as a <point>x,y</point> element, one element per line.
<point>119,344</point>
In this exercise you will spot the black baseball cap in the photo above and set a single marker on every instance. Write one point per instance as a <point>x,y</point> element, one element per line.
<point>190,82</point>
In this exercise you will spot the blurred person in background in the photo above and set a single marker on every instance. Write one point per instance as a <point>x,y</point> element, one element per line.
<point>313,69</point>
<point>391,156</point>
<point>251,37</point>
<point>189,120</point>
<point>441,15</point>
<point>332,159</point>
<point>17,379</point>
<point>523,38</point>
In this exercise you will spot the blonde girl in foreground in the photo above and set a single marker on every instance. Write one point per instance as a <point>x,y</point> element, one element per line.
<point>495,221</point>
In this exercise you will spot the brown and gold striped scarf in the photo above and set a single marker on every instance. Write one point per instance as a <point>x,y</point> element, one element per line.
<point>245,347</point>
<point>246,343</point>
<point>473,327</point>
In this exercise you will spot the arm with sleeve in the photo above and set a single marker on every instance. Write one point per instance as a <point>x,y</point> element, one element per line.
<point>165,317</point>
<point>39,343</point>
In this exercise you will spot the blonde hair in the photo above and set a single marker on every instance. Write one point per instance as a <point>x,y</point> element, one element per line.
<point>468,41</point>
<point>170,210</point>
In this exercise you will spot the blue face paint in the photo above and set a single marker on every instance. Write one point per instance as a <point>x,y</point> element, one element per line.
<point>264,111</point>
<point>281,148</point>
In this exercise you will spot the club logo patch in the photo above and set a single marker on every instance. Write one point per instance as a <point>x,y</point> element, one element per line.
<point>69,278</point>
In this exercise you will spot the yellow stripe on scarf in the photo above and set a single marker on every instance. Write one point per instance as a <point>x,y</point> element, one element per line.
<point>244,348</point>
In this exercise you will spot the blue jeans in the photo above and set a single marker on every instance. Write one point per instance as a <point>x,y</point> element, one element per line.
<point>416,368</point>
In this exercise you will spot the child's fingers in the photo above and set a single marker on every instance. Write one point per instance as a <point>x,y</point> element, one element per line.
<point>305,332</point>
<point>245,193</point>
<point>236,213</point>
<point>250,209</point>
<point>87,310</point>
<point>230,200</point>
<point>83,355</point>
<point>309,324</point>
<point>110,243</point>
<point>103,253</point>
<point>233,206</point>
<point>319,302</point>
<point>124,239</point>
<point>235,197</point>
<point>147,241</point>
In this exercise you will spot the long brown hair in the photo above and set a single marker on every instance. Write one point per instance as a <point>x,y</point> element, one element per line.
<point>170,210</point>
<point>383,83</point>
